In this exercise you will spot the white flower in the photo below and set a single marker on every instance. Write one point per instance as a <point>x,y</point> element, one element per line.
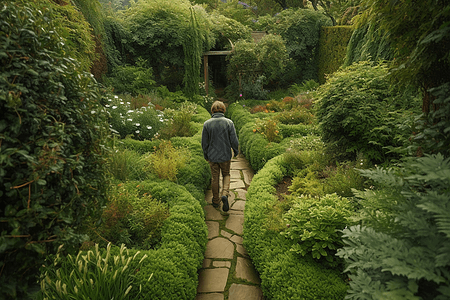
<point>149,127</point>
<point>115,96</point>
<point>107,105</point>
<point>130,111</point>
<point>121,102</point>
<point>137,124</point>
<point>137,131</point>
<point>92,111</point>
<point>130,120</point>
<point>114,107</point>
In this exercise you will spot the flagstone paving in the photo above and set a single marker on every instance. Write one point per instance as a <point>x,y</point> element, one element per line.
<point>228,272</point>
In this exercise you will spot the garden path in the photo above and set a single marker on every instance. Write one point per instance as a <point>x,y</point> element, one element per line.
<point>227,271</point>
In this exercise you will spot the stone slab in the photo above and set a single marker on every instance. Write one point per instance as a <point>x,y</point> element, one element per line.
<point>235,174</point>
<point>241,194</point>
<point>247,292</point>
<point>212,296</point>
<point>222,264</point>
<point>237,239</point>
<point>212,214</point>
<point>226,234</point>
<point>235,223</point>
<point>239,184</point>
<point>219,248</point>
<point>248,176</point>
<point>238,205</point>
<point>241,250</point>
<point>240,164</point>
<point>208,196</point>
<point>212,280</point>
<point>245,270</point>
<point>213,229</point>
<point>206,263</point>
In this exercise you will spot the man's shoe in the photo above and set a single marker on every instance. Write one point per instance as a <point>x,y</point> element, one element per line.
<point>225,206</point>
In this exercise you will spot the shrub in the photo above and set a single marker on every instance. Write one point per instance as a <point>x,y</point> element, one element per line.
<point>135,80</point>
<point>53,131</point>
<point>296,116</point>
<point>406,250</point>
<point>167,160</point>
<point>142,123</point>
<point>354,106</point>
<point>126,164</point>
<point>315,224</point>
<point>179,121</point>
<point>91,275</point>
<point>284,274</point>
<point>269,129</point>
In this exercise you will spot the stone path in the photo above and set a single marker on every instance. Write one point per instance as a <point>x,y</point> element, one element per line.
<point>227,271</point>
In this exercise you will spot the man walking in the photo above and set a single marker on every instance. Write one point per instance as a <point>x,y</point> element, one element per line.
<point>219,139</point>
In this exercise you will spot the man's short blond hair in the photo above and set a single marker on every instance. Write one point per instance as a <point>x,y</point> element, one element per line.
<point>218,106</point>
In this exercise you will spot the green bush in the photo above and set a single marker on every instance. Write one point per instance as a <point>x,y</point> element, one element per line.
<point>52,132</point>
<point>284,274</point>
<point>166,161</point>
<point>354,107</point>
<point>315,224</point>
<point>300,29</point>
<point>403,243</point>
<point>134,80</point>
<point>126,164</point>
<point>141,123</point>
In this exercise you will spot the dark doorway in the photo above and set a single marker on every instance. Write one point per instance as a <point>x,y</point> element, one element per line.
<point>218,70</point>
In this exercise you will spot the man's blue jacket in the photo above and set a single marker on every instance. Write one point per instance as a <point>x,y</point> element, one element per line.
<point>219,138</point>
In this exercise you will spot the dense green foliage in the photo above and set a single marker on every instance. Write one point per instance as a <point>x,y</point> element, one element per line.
<point>251,65</point>
<point>88,275</point>
<point>300,30</point>
<point>284,274</point>
<point>355,108</point>
<point>52,130</point>
<point>419,33</point>
<point>401,251</point>
<point>315,223</point>
<point>332,49</point>
<point>368,42</point>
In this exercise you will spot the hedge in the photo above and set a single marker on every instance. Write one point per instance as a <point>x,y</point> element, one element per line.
<point>175,263</point>
<point>333,43</point>
<point>284,274</point>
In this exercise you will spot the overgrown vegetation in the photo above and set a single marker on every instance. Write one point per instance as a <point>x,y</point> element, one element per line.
<point>53,129</point>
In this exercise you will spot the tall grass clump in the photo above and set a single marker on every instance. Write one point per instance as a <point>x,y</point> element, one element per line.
<point>90,275</point>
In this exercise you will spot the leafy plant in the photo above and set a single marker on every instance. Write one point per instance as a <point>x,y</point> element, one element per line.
<point>142,123</point>
<point>53,135</point>
<point>90,275</point>
<point>269,129</point>
<point>402,248</point>
<point>126,165</point>
<point>296,115</point>
<point>132,79</point>
<point>315,224</point>
<point>167,160</point>
<point>353,107</point>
